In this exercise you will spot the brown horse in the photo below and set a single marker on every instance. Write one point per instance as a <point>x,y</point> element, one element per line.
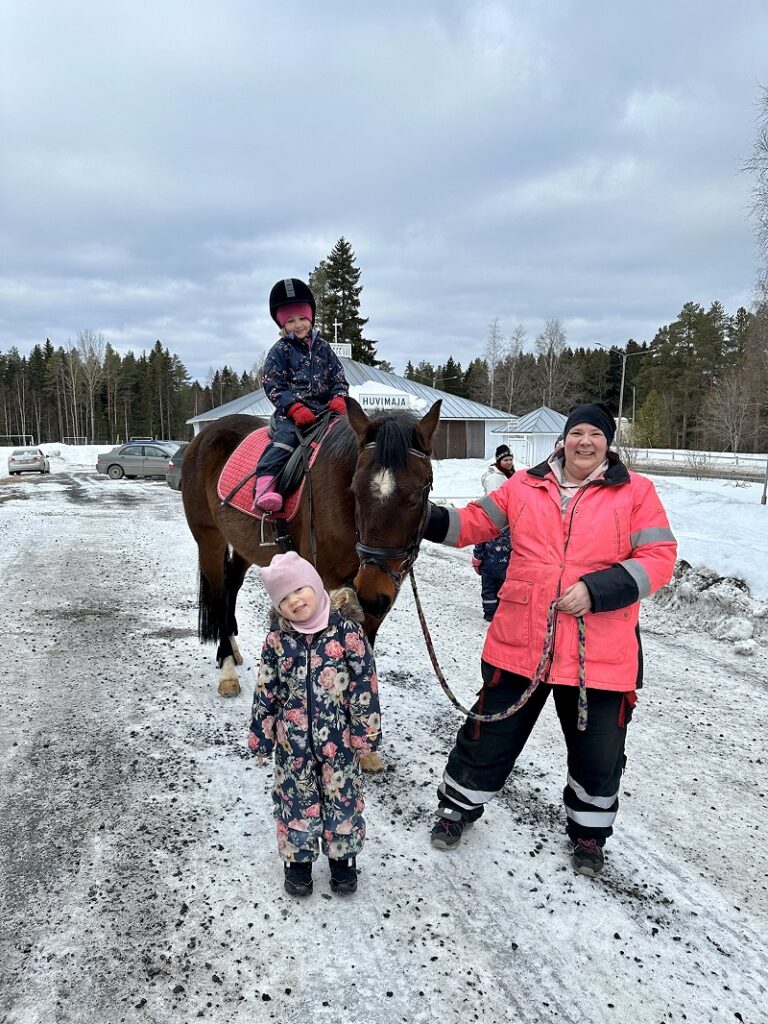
<point>370,489</point>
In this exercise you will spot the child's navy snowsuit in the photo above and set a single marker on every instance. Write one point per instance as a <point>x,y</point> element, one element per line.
<point>297,371</point>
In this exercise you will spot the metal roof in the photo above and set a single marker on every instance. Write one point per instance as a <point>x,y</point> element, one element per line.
<point>453,408</point>
<point>540,421</point>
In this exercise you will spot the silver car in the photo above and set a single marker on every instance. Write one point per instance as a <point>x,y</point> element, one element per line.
<point>135,459</point>
<point>28,460</point>
<point>174,468</point>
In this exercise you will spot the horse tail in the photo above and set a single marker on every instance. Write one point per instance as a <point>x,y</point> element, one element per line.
<point>208,617</point>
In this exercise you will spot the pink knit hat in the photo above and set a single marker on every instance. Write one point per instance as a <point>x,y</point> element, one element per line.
<point>284,313</point>
<point>289,572</point>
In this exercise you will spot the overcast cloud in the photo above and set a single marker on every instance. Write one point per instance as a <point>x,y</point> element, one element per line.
<point>164,163</point>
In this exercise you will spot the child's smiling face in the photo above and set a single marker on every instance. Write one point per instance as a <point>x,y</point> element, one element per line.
<point>299,605</point>
<point>298,326</point>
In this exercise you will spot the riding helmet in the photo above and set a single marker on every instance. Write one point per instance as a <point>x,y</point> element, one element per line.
<point>288,291</point>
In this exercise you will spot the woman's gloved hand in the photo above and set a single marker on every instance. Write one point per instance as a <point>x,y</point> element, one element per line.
<point>438,522</point>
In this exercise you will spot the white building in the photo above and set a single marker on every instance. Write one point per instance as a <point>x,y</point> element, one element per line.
<point>531,438</point>
<point>466,428</point>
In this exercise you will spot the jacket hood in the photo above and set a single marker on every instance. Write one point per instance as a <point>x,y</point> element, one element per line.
<point>344,605</point>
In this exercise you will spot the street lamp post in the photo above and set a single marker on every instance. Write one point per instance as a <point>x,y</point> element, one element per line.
<point>624,356</point>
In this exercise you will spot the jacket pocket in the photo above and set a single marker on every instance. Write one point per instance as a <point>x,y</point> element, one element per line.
<point>515,604</point>
<point>608,635</point>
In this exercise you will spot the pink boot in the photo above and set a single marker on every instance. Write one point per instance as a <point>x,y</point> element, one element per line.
<point>264,498</point>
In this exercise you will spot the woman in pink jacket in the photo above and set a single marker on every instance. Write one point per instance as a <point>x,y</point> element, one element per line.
<point>592,538</point>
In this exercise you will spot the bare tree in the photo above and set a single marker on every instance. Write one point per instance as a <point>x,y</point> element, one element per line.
<point>494,353</point>
<point>257,371</point>
<point>727,407</point>
<point>757,165</point>
<point>90,347</point>
<point>72,372</point>
<point>509,370</point>
<point>550,345</point>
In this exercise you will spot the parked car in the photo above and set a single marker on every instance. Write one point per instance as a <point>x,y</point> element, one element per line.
<point>134,459</point>
<point>28,460</point>
<point>174,467</point>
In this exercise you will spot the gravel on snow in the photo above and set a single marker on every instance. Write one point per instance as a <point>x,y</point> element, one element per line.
<point>139,879</point>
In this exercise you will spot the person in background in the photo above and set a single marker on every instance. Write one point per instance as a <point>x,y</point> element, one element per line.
<point>491,558</point>
<point>316,706</point>
<point>303,377</point>
<point>590,540</point>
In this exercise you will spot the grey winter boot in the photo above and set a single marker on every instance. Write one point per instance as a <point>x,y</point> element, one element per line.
<point>587,856</point>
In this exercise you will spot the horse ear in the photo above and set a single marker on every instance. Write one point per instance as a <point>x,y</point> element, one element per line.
<point>427,425</point>
<point>357,418</point>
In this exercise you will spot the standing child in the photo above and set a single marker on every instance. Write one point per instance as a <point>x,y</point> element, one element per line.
<point>317,705</point>
<point>303,377</point>
<point>491,558</point>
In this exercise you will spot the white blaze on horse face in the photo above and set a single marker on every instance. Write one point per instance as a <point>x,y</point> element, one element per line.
<point>383,484</point>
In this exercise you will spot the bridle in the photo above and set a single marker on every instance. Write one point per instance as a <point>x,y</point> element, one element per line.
<point>380,557</point>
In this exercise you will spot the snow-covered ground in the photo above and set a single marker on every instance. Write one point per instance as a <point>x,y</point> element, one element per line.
<point>138,874</point>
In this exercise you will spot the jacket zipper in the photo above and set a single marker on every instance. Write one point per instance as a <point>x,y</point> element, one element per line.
<point>310,713</point>
<point>571,510</point>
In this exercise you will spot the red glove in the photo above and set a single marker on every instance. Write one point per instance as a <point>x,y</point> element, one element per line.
<point>476,563</point>
<point>338,404</point>
<point>301,415</point>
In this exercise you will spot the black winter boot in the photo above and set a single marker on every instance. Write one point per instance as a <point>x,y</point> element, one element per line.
<point>298,878</point>
<point>343,876</point>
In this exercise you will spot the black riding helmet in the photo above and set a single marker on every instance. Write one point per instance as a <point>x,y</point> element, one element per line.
<point>288,291</point>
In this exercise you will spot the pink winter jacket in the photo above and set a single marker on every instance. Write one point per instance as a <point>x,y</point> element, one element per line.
<point>615,536</point>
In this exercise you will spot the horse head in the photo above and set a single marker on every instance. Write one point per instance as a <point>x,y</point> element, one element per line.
<point>391,485</point>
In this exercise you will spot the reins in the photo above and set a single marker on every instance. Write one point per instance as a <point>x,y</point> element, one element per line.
<point>541,669</point>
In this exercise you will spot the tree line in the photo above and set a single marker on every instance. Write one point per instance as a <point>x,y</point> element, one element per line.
<point>89,391</point>
<point>702,382</point>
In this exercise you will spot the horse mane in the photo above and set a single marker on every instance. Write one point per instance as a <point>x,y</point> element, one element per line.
<point>393,432</point>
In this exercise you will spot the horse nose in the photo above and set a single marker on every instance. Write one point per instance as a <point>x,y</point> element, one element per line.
<point>378,607</point>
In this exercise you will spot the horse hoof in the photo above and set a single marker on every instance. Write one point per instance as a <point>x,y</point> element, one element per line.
<point>371,763</point>
<point>229,681</point>
<point>229,687</point>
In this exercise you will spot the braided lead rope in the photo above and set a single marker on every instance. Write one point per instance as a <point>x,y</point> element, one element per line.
<point>541,669</point>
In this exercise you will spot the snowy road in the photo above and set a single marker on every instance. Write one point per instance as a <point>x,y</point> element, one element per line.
<point>139,879</point>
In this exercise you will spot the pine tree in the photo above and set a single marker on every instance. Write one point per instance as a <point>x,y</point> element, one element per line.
<point>477,382</point>
<point>340,301</point>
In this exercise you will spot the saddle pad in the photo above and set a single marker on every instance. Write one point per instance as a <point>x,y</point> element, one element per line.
<point>241,463</point>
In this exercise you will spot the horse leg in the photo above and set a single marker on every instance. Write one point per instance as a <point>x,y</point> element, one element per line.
<point>213,623</point>
<point>236,568</point>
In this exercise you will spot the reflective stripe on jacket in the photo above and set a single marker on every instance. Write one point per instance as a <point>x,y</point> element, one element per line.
<point>615,536</point>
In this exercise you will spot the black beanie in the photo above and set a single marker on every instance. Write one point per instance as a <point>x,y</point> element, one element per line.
<point>597,414</point>
<point>501,452</point>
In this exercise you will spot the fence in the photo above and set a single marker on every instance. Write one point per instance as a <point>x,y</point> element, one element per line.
<point>689,456</point>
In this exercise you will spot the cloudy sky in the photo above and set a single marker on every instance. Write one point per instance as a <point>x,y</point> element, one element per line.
<point>164,163</point>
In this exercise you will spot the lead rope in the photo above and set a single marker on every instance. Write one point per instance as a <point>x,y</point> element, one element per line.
<point>546,657</point>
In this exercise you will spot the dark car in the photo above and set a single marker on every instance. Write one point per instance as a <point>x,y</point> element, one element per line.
<point>135,459</point>
<point>173,479</point>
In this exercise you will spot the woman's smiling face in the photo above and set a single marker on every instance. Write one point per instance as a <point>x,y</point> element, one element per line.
<point>585,449</point>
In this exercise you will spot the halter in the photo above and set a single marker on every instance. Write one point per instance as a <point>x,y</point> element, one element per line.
<point>407,555</point>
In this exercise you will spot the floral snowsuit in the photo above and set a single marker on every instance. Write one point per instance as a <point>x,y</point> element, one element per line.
<point>316,704</point>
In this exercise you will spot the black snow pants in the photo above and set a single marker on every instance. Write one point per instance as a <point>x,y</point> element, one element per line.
<point>490,585</point>
<point>485,752</point>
